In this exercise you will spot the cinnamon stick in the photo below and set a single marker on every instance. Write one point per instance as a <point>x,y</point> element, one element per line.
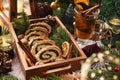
<point>28,53</point>
<point>90,10</point>
<point>71,49</point>
<point>70,52</point>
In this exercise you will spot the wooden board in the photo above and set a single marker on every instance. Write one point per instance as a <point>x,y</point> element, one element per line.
<point>59,67</point>
<point>13,9</point>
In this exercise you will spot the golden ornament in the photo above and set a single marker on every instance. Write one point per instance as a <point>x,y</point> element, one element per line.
<point>55,4</point>
<point>114,21</point>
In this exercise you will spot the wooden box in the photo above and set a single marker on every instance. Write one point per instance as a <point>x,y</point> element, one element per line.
<point>59,67</point>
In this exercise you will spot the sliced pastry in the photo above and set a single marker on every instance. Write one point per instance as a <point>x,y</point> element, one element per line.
<point>43,24</point>
<point>41,44</point>
<point>34,34</point>
<point>48,54</point>
<point>37,29</point>
<point>35,39</point>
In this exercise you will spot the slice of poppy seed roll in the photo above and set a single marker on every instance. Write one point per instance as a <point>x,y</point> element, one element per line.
<point>37,29</point>
<point>41,24</point>
<point>41,44</point>
<point>34,34</point>
<point>33,40</point>
<point>48,54</point>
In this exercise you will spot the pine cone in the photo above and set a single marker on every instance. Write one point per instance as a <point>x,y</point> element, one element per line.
<point>5,63</point>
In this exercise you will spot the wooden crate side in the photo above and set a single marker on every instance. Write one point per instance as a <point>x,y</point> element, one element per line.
<point>13,9</point>
<point>60,67</point>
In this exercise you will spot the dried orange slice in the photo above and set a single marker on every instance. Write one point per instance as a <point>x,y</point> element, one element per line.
<point>65,48</point>
<point>77,3</point>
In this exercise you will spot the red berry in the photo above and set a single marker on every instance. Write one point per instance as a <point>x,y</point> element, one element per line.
<point>119,68</point>
<point>116,69</point>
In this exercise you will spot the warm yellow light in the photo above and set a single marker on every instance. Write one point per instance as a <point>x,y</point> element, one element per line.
<point>1,23</point>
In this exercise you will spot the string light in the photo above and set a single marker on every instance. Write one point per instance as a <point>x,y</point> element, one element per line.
<point>102,78</point>
<point>109,68</point>
<point>93,75</point>
<point>115,77</point>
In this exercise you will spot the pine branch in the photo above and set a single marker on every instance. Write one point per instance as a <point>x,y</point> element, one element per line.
<point>53,77</point>
<point>7,77</point>
<point>21,24</point>
<point>59,35</point>
<point>37,78</point>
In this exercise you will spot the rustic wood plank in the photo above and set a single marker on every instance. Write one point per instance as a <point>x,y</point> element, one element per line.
<point>32,7</point>
<point>13,9</point>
